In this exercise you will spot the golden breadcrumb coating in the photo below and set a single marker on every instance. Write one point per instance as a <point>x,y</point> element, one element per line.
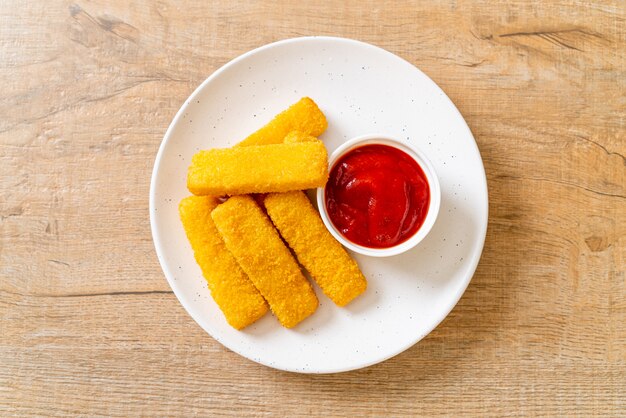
<point>298,136</point>
<point>258,169</point>
<point>230,287</point>
<point>250,236</point>
<point>316,249</point>
<point>302,116</point>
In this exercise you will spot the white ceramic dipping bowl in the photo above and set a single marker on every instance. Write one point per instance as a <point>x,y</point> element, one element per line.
<point>431,177</point>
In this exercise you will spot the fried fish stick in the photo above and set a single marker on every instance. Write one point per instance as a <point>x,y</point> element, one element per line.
<point>302,116</point>
<point>232,290</point>
<point>328,263</point>
<point>256,245</point>
<point>258,169</point>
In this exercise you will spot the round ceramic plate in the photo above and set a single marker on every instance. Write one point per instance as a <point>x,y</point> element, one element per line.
<point>361,89</point>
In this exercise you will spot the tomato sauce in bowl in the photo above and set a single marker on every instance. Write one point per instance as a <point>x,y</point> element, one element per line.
<point>377,196</point>
<point>382,197</point>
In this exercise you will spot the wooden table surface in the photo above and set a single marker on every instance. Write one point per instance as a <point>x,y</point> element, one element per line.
<point>88,323</point>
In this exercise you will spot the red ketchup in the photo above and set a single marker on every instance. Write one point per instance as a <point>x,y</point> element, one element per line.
<point>377,196</point>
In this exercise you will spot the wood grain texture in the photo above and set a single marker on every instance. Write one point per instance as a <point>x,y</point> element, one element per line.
<point>88,323</point>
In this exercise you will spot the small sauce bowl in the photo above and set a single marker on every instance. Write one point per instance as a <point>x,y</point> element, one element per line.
<point>431,212</point>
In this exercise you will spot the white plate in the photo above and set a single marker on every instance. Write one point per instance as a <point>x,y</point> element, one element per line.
<point>361,89</point>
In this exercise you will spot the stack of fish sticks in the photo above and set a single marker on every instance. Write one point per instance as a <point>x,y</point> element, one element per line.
<point>238,244</point>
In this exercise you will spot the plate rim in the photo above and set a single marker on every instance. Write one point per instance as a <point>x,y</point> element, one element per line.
<point>158,242</point>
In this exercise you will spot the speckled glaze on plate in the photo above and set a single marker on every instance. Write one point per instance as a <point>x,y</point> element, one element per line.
<point>361,89</point>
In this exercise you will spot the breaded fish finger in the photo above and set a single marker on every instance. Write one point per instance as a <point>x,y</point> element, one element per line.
<point>251,238</point>
<point>232,290</point>
<point>326,260</point>
<point>303,116</point>
<point>258,169</point>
